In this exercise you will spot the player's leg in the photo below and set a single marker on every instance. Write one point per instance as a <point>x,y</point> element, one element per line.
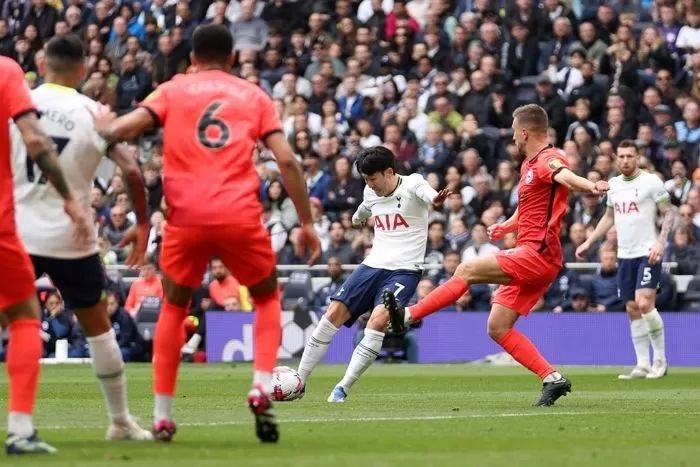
<point>500,328</point>
<point>20,307</point>
<point>82,284</point>
<point>355,295</point>
<point>183,259</point>
<point>645,297</point>
<point>404,284</point>
<point>483,270</point>
<point>639,331</point>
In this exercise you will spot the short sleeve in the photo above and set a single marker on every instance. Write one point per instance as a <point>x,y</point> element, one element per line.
<point>549,165</point>
<point>658,191</point>
<point>269,121</point>
<point>15,94</point>
<point>157,104</point>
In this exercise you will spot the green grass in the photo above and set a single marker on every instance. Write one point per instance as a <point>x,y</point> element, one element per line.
<point>403,415</point>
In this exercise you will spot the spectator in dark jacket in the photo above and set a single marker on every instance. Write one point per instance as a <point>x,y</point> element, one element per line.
<point>522,54</point>
<point>133,86</point>
<point>604,295</point>
<point>339,247</point>
<point>344,191</point>
<point>165,63</point>
<point>335,273</point>
<point>684,251</point>
<point>55,323</point>
<point>7,42</point>
<point>317,179</point>
<point>43,16</point>
<point>561,290</point>
<point>130,342</point>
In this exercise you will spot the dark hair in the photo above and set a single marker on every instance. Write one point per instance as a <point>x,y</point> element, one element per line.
<point>628,143</point>
<point>63,53</point>
<point>212,43</point>
<point>452,253</point>
<point>375,159</point>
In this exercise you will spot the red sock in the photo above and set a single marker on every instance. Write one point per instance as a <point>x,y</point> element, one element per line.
<point>167,344</point>
<point>267,331</point>
<point>525,352</point>
<point>447,294</point>
<point>23,354</point>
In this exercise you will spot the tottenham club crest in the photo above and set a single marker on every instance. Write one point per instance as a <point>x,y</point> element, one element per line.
<point>528,176</point>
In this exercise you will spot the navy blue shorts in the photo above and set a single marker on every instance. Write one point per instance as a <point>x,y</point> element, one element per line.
<point>81,281</point>
<point>362,291</point>
<point>636,273</point>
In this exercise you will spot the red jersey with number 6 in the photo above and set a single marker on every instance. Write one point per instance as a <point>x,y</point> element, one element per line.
<point>542,203</point>
<point>211,122</point>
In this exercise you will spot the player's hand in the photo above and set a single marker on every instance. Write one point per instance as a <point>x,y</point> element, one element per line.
<point>137,237</point>
<point>656,253</point>
<point>600,188</point>
<point>308,239</point>
<point>103,118</point>
<point>441,197</point>
<point>82,230</point>
<point>496,232</point>
<point>581,250</point>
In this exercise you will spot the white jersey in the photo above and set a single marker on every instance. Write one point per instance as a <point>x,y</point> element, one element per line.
<point>400,224</point>
<point>43,225</point>
<point>634,203</point>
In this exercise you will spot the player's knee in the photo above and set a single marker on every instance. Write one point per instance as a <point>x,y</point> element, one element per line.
<point>378,320</point>
<point>496,330</point>
<point>337,313</point>
<point>465,270</point>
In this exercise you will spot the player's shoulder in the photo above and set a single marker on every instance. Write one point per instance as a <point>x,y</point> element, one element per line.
<point>616,181</point>
<point>413,180</point>
<point>368,193</point>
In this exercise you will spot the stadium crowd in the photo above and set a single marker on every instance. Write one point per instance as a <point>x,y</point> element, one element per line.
<point>433,80</point>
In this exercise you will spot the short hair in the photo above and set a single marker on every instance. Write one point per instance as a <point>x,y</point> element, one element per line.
<point>212,43</point>
<point>64,53</point>
<point>533,117</point>
<point>628,143</point>
<point>375,159</point>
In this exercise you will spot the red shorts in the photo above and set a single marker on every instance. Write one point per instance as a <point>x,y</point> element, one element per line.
<point>532,275</point>
<point>244,249</point>
<point>16,273</point>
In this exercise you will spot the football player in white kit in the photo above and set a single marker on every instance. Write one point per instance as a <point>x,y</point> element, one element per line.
<point>74,266</point>
<point>633,200</point>
<point>400,207</point>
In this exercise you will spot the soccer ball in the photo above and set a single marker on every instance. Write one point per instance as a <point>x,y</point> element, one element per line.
<point>286,384</point>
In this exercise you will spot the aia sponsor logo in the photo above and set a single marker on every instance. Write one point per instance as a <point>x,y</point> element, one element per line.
<point>390,222</point>
<point>626,207</point>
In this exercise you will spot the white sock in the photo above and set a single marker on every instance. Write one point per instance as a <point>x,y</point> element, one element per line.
<point>656,334</point>
<point>363,356</point>
<point>163,408</point>
<point>553,376</point>
<point>640,339</point>
<point>264,378</point>
<point>316,347</point>
<point>109,369</point>
<point>20,424</point>
<point>407,316</point>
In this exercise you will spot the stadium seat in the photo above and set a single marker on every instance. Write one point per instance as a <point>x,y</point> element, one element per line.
<point>149,310</point>
<point>691,299</point>
<point>298,291</point>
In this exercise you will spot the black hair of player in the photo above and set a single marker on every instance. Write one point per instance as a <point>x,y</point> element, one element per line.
<point>212,43</point>
<point>374,160</point>
<point>63,53</point>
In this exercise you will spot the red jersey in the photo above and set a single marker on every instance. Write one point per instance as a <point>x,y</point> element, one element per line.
<point>542,203</point>
<point>16,101</point>
<point>211,123</point>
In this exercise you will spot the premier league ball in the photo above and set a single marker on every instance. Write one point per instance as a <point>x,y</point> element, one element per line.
<point>286,384</point>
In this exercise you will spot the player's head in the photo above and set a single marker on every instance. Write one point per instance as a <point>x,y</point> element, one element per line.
<point>64,57</point>
<point>627,157</point>
<point>530,125</point>
<point>377,168</point>
<point>212,45</point>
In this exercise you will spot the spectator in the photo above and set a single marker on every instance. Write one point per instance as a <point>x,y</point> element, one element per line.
<point>131,344</point>
<point>338,246</point>
<point>317,179</point>
<point>55,323</point>
<point>684,250</point>
<point>480,245</point>
<point>148,285</point>
<point>249,31</point>
<point>344,191</point>
<point>116,47</point>
<point>604,296</point>
<point>133,86</point>
<point>580,301</point>
<point>43,16</point>
<point>116,228</point>
<point>165,63</point>
<point>322,298</point>
<point>96,87</point>
<point>225,291</point>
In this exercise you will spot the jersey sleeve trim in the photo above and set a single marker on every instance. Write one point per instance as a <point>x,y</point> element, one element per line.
<point>270,133</point>
<point>26,112</point>
<point>154,115</point>
<point>555,172</point>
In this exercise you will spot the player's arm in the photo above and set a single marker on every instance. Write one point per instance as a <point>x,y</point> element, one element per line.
<point>296,187</point>
<point>361,215</point>
<point>125,128</point>
<point>573,182</point>
<point>137,236</point>
<point>606,222</point>
<point>42,151</point>
<point>669,213</point>
<point>497,231</point>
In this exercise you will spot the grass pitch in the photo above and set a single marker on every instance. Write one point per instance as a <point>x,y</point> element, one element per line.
<point>397,415</point>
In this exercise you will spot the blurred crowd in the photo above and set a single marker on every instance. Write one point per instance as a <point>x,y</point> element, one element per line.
<point>433,80</point>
